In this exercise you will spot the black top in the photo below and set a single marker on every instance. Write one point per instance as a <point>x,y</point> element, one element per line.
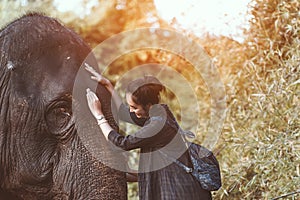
<point>159,178</point>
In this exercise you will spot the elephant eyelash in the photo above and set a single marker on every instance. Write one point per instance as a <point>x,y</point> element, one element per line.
<point>65,112</point>
<point>60,109</point>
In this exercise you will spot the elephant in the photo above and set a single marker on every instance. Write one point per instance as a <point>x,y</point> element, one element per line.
<point>43,155</point>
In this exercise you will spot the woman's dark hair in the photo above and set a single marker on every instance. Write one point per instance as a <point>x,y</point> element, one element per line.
<point>145,90</point>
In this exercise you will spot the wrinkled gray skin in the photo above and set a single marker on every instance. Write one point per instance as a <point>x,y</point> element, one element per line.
<point>42,153</point>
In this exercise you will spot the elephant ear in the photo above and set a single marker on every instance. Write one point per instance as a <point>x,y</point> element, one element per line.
<point>59,117</point>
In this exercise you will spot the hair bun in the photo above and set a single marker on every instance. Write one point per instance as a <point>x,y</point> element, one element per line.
<point>145,90</point>
<point>152,80</point>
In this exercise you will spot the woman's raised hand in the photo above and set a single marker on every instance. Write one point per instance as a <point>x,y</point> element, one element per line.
<point>105,82</point>
<point>94,103</point>
<point>98,77</point>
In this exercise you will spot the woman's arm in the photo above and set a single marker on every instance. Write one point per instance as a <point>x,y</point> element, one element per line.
<point>131,177</point>
<point>149,135</point>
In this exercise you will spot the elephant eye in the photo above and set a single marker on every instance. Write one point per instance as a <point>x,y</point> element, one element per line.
<point>62,111</point>
<point>58,117</point>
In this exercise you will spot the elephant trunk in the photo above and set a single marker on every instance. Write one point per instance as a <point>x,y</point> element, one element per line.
<point>81,176</point>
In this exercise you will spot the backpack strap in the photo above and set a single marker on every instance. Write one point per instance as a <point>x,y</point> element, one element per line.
<point>180,164</point>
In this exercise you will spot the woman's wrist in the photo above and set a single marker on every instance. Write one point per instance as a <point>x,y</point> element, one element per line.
<point>99,117</point>
<point>100,122</point>
<point>110,88</point>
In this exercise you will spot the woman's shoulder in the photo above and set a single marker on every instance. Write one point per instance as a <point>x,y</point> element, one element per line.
<point>168,111</point>
<point>160,111</point>
<point>161,114</point>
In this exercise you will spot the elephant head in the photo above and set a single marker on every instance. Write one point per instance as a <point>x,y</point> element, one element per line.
<point>42,153</point>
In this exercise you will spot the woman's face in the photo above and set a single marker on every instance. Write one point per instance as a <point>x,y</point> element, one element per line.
<point>139,111</point>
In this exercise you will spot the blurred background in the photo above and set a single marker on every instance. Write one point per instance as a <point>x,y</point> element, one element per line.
<point>255,45</point>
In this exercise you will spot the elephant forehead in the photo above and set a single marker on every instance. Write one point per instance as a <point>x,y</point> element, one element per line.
<point>44,82</point>
<point>52,87</point>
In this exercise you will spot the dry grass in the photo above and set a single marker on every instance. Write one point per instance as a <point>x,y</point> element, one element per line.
<point>261,158</point>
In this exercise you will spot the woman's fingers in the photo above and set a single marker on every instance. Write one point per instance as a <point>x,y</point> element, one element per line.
<point>88,68</point>
<point>91,70</point>
<point>91,95</point>
<point>89,99</point>
<point>94,96</point>
<point>96,76</point>
<point>93,103</point>
<point>87,65</point>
